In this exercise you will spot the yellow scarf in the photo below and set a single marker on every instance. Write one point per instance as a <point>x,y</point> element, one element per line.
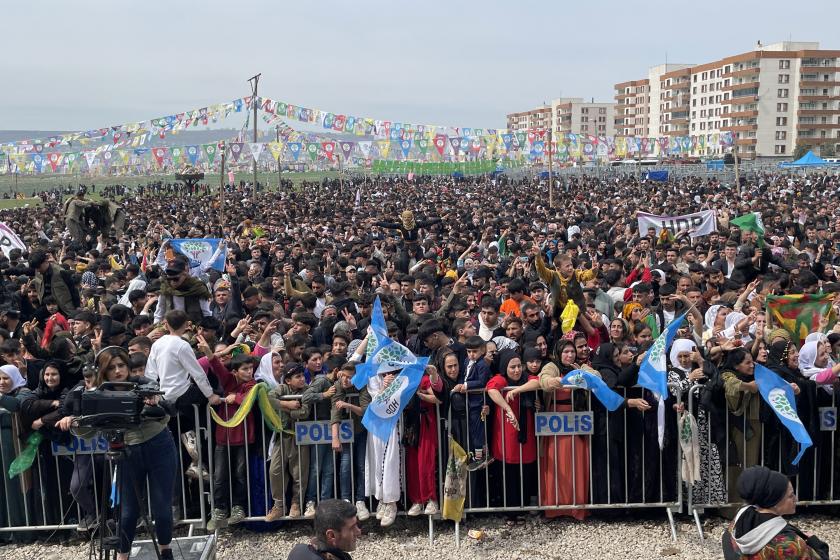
<point>270,416</point>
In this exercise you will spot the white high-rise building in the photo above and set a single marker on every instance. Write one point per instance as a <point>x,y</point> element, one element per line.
<point>772,99</point>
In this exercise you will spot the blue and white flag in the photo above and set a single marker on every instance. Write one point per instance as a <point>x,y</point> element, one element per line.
<point>586,380</point>
<point>653,371</point>
<point>204,254</point>
<point>384,410</point>
<point>377,337</point>
<point>779,395</point>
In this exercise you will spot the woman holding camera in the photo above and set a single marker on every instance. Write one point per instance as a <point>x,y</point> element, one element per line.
<point>150,453</point>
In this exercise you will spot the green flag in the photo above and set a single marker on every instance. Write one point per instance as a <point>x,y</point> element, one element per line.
<point>210,152</point>
<point>751,222</point>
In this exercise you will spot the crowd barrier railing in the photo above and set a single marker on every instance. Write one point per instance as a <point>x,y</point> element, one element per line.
<point>729,443</point>
<point>579,458</point>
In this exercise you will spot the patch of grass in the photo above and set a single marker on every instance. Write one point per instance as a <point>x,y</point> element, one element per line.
<point>19,203</point>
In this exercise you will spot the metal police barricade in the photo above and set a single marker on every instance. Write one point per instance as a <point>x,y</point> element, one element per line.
<point>279,463</point>
<point>62,489</point>
<point>551,462</point>
<point>729,443</point>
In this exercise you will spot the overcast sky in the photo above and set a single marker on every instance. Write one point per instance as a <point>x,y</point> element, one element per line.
<point>92,63</point>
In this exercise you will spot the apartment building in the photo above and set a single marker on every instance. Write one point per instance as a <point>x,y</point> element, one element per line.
<point>540,117</point>
<point>635,112</point>
<point>770,100</point>
<point>565,115</point>
<point>574,115</point>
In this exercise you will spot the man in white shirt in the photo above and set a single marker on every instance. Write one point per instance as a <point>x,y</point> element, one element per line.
<point>174,366</point>
<point>135,282</point>
<point>172,363</point>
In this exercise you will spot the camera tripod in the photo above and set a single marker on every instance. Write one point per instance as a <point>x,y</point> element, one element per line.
<point>108,539</point>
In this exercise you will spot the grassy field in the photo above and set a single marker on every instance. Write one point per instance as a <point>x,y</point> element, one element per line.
<point>28,184</point>
<point>19,203</point>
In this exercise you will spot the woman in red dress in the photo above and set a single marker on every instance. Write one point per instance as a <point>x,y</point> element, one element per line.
<point>514,445</point>
<point>421,458</point>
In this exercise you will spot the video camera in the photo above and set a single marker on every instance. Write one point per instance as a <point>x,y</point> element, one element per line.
<point>118,405</point>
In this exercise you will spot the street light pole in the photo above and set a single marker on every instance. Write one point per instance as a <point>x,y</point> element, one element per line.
<point>550,170</point>
<point>254,81</point>
<point>277,131</point>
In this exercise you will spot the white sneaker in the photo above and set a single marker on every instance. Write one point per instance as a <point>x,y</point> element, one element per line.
<point>362,513</point>
<point>389,515</point>
<point>309,513</point>
<point>196,472</point>
<point>188,439</point>
<point>415,510</point>
<point>380,510</point>
<point>431,508</point>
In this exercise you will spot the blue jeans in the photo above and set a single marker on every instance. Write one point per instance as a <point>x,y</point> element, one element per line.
<point>321,459</point>
<point>354,452</point>
<point>155,460</point>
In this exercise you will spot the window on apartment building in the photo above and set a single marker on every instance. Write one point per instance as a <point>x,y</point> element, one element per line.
<point>781,107</point>
<point>717,124</point>
<point>692,127</point>
<point>781,121</point>
<point>726,96</point>
<point>784,78</point>
<point>717,99</point>
<point>694,114</point>
<point>694,103</point>
<point>702,126</point>
<point>585,110</point>
<point>780,148</point>
<point>702,101</point>
<point>694,89</point>
<point>781,135</point>
<point>717,112</point>
<point>705,76</point>
<point>584,119</point>
<point>702,113</point>
<point>784,64</point>
<point>717,73</point>
<point>725,122</point>
<point>602,110</point>
<point>782,93</point>
<point>703,88</point>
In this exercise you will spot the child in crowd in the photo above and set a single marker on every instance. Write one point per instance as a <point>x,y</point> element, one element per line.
<point>321,458</point>
<point>349,403</point>
<point>287,461</point>
<point>230,485</point>
<point>476,378</point>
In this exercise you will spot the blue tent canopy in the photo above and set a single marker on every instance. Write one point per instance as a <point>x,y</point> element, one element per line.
<point>808,160</point>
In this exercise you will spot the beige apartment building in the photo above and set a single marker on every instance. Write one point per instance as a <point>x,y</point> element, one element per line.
<point>770,99</point>
<point>574,115</point>
<point>567,115</point>
<point>539,118</point>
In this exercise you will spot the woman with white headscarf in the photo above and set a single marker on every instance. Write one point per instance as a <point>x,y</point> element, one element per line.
<point>714,321</point>
<point>686,370</point>
<point>816,364</point>
<point>13,392</point>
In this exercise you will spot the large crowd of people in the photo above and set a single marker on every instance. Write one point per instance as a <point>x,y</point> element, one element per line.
<point>481,275</point>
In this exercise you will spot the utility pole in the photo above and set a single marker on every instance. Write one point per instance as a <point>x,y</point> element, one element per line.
<point>550,173</point>
<point>222,186</point>
<point>277,132</point>
<point>254,81</point>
